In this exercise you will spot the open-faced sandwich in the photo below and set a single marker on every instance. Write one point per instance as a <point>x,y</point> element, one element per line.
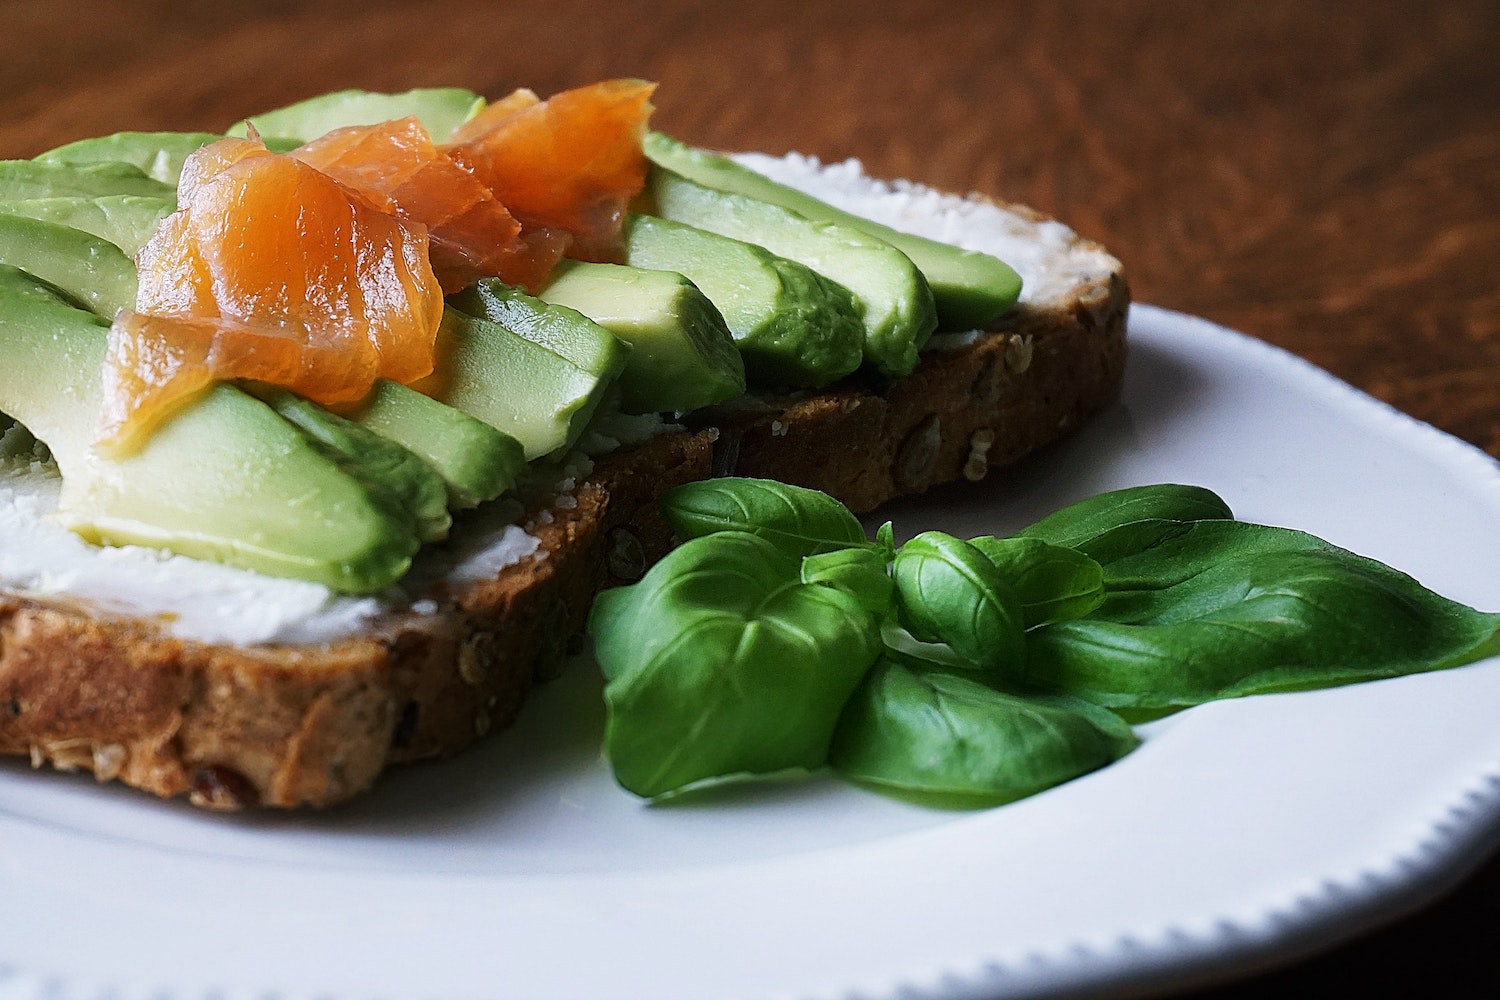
<point>318,438</point>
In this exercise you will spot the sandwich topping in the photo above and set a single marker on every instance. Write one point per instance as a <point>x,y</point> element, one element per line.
<point>382,267</point>
<point>310,270</point>
<point>271,271</point>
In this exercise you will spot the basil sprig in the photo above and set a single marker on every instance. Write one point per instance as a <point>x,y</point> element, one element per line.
<point>986,669</point>
<point>722,661</point>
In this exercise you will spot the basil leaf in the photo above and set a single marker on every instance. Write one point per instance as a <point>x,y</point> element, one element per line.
<point>903,647</point>
<point>1220,609</point>
<point>949,591</point>
<point>1126,539</point>
<point>796,520</point>
<point>885,540</point>
<point>720,661</point>
<point>862,573</point>
<point>940,733</point>
<point>1075,526</point>
<point>1052,583</point>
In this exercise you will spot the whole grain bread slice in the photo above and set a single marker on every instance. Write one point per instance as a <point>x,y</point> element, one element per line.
<point>233,726</point>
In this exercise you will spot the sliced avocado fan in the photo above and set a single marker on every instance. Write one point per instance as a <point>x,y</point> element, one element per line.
<point>970,289</point>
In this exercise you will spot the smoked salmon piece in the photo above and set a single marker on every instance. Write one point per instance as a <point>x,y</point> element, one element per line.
<point>157,363</point>
<point>324,270</point>
<point>396,166</point>
<point>273,271</point>
<point>571,163</point>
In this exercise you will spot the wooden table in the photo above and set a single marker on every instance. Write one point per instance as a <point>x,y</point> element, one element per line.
<point>1321,177</point>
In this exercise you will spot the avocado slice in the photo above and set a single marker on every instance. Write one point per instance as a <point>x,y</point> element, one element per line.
<point>515,385</point>
<point>560,329</point>
<point>156,154</point>
<point>794,328</point>
<point>439,109</point>
<point>92,272</point>
<point>970,289</point>
<point>225,479</point>
<point>477,462</point>
<point>381,464</point>
<point>126,220</point>
<point>897,305</point>
<point>25,179</point>
<point>682,356</point>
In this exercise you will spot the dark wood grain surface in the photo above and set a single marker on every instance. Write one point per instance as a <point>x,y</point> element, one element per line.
<point>1325,177</point>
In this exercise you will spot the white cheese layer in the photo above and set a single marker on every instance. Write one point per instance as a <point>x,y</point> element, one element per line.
<point>192,599</point>
<point>207,602</point>
<point>203,601</point>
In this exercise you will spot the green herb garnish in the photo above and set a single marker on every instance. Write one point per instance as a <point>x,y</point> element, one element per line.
<point>980,671</point>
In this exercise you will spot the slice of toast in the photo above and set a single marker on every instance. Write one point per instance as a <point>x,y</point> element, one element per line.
<point>313,723</point>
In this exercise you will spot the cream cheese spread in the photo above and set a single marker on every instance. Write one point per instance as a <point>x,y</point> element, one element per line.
<point>190,598</point>
<point>207,602</point>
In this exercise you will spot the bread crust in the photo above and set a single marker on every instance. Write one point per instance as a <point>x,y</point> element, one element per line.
<point>287,726</point>
<point>964,410</point>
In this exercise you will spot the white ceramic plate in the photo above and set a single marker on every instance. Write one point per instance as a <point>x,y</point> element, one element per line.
<point>1238,833</point>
